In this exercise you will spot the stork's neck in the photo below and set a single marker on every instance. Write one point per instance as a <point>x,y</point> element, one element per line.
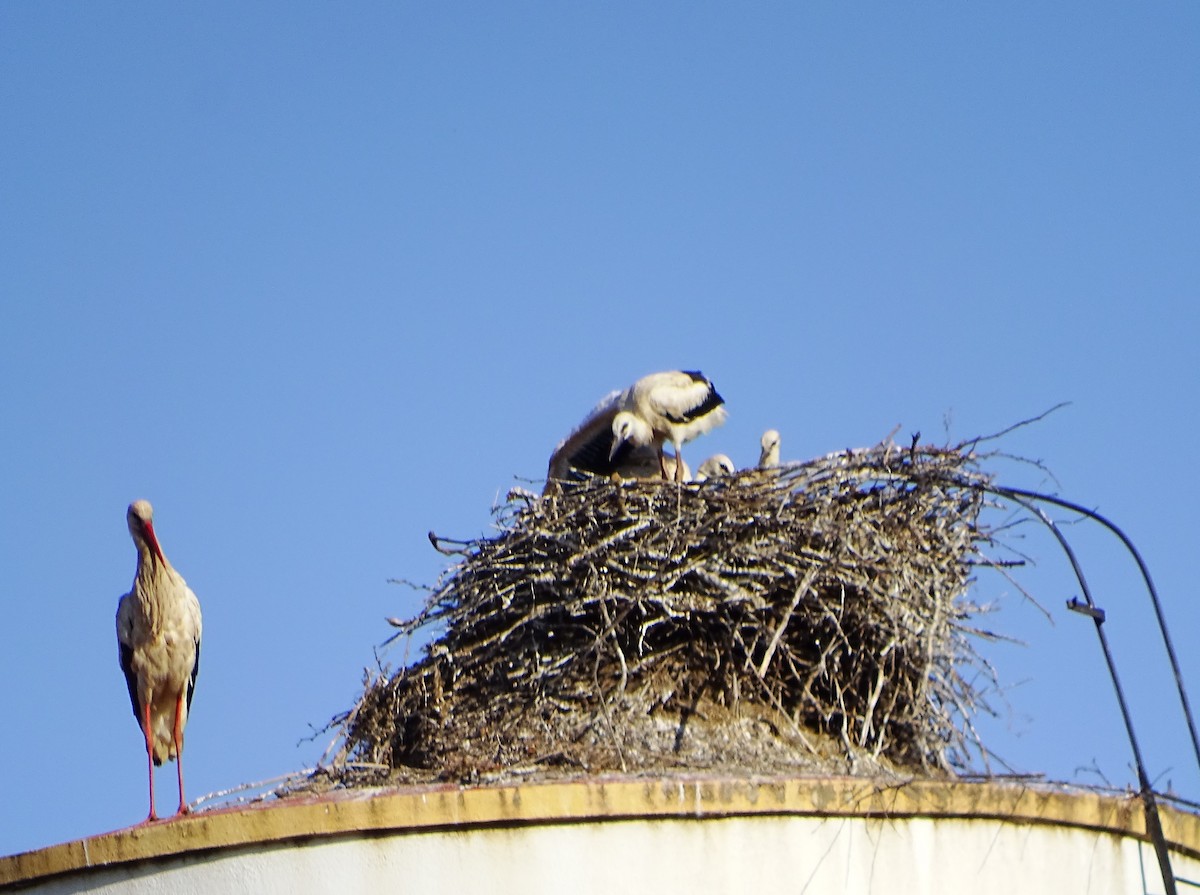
<point>154,586</point>
<point>151,567</point>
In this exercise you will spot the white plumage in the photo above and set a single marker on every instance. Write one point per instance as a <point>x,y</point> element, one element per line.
<point>158,635</point>
<point>675,406</point>
<point>716,465</point>
<point>769,456</point>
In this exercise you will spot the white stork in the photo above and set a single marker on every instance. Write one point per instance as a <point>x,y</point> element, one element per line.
<point>770,449</point>
<point>675,406</point>
<point>717,464</point>
<point>158,633</point>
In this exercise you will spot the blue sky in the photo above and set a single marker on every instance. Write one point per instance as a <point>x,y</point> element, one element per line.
<point>317,278</point>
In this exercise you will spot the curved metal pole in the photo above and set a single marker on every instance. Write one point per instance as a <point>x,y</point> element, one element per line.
<point>1098,617</point>
<point>1149,803</point>
<point>1014,493</point>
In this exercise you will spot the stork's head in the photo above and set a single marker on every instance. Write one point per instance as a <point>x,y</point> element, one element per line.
<point>770,448</point>
<point>140,517</point>
<point>717,464</point>
<point>628,427</point>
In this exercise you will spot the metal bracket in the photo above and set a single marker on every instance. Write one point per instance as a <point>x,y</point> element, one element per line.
<point>1077,605</point>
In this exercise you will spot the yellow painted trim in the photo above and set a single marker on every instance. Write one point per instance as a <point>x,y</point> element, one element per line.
<point>413,809</point>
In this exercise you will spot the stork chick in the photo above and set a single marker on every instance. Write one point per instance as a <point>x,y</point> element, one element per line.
<point>717,464</point>
<point>769,456</point>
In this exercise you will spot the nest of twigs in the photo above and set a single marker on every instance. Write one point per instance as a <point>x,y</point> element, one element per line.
<point>814,616</point>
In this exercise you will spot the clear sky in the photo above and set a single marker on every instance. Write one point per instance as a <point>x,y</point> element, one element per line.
<point>317,278</point>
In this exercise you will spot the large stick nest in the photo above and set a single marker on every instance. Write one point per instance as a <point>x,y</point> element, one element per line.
<point>814,616</point>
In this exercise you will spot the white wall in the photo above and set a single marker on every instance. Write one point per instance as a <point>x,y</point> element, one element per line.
<point>759,854</point>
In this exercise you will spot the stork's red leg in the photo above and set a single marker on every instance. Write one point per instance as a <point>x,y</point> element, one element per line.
<point>149,756</point>
<point>678,465</point>
<point>662,463</point>
<point>177,735</point>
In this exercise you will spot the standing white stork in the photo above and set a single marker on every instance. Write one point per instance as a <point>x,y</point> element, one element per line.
<point>674,406</point>
<point>769,456</point>
<point>625,425</point>
<point>158,633</point>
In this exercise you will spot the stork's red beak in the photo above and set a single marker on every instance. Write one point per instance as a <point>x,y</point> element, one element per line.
<point>152,540</point>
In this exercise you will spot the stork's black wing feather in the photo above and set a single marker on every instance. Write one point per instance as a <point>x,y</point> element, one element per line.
<point>131,680</point>
<point>195,671</point>
<point>712,400</point>
<point>587,447</point>
<point>594,455</point>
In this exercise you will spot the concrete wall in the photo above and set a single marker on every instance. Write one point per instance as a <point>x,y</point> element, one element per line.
<point>621,836</point>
